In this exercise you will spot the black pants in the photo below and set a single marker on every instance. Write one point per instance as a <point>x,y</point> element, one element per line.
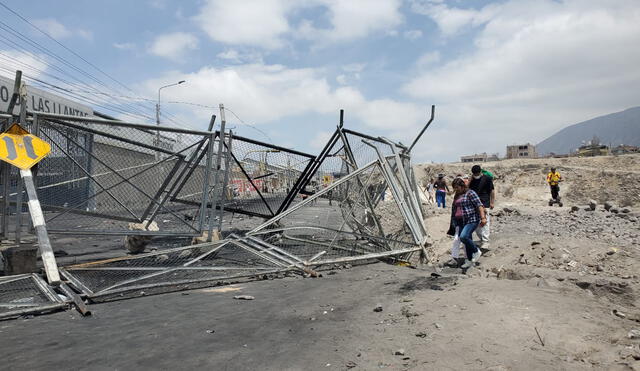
<point>555,191</point>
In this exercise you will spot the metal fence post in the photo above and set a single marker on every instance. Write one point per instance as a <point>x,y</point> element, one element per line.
<point>216,175</point>
<point>227,157</point>
<point>207,175</point>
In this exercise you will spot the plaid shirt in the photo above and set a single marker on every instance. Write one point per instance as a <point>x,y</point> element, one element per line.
<point>470,203</point>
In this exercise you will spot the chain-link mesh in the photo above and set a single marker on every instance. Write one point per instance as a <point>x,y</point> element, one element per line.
<point>261,176</point>
<point>198,263</point>
<point>25,294</point>
<point>363,153</point>
<point>356,220</point>
<point>98,178</point>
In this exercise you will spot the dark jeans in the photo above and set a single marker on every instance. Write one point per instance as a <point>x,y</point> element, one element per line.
<point>466,236</point>
<point>441,196</point>
<point>555,191</point>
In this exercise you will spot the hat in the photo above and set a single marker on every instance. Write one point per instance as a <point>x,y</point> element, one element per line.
<point>440,175</point>
<point>476,169</point>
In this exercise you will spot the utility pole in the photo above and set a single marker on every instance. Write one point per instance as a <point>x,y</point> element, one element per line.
<point>157,144</point>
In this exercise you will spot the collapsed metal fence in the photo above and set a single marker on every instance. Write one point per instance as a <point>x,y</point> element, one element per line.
<point>356,200</point>
<point>102,175</point>
<point>26,294</point>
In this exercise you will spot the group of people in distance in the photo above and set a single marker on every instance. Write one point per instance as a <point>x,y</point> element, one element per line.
<point>472,197</point>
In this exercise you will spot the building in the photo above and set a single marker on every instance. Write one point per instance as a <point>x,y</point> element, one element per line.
<point>479,157</point>
<point>593,148</point>
<point>624,149</point>
<point>521,151</point>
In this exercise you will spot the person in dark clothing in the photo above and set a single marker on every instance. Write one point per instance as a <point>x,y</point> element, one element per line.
<point>442,189</point>
<point>482,184</point>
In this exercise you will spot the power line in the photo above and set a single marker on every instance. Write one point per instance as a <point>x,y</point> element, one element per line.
<point>43,49</point>
<point>62,45</point>
<point>249,125</point>
<point>132,110</point>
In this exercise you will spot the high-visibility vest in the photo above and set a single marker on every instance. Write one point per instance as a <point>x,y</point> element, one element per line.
<point>553,178</point>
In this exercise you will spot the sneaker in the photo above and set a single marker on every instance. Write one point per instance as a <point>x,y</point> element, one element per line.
<point>486,245</point>
<point>467,264</point>
<point>453,263</point>
<point>476,255</point>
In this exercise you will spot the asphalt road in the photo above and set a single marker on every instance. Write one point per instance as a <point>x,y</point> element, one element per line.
<point>293,324</point>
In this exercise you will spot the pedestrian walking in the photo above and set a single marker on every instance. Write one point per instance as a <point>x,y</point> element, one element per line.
<point>442,189</point>
<point>482,184</point>
<point>553,179</point>
<point>455,226</point>
<point>468,209</point>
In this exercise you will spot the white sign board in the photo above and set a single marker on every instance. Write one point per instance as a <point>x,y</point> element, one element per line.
<point>41,101</point>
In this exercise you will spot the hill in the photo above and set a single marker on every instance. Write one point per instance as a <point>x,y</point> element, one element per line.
<point>615,128</point>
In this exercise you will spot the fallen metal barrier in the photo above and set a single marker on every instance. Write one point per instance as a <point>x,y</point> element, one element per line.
<point>205,263</point>
<point>356,201</point>
<point>26,294</point>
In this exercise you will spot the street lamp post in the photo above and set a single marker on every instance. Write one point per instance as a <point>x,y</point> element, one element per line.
<point>158,115</point>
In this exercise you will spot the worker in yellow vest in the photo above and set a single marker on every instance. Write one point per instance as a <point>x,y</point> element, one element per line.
<point>553,179</point>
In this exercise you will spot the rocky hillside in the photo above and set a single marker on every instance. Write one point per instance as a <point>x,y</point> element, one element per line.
<point>615,129</point>
<point>605,178</point>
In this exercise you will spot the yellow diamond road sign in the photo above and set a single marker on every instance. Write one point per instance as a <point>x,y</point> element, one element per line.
<point>21,149</point>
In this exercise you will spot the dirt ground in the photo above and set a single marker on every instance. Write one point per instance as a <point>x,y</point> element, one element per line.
<point>555,290</point>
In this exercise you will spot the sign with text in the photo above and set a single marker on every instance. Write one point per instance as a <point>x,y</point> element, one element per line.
<point>21,149</point>
<point>40,101</point>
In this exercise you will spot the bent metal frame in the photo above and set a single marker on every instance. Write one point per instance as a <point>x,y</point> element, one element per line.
<point>371,207</point>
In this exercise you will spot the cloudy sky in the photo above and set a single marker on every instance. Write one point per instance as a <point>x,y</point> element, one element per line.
<point>499,72</point>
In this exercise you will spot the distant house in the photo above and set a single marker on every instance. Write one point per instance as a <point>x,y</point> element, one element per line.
<point>593,148</point>
<point>622,149</point>
<point>480,157</point>
<point>522,151</point>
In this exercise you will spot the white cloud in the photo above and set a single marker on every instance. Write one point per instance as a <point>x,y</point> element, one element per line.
<point>31,65</point>
<point>267,23</point>
<point>54,28</point>
<point>412,34</point>
<point>87,35</point>
<point>266,93</point>
<point>251,22</point>
<point>428,59</point>
<point>158,4</point>
<point>452,20</point>
<point>352,73</point>
<point>236,56</point>
<point>320,139</point>
<point>536,66</point>
<point>124,46</point>
<point>173,45</point>
<point>354,67</point>
<point>353,19</point>
<point>57,30</point>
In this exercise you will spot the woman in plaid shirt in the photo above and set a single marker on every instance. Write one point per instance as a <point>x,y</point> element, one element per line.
<point>469,212</point>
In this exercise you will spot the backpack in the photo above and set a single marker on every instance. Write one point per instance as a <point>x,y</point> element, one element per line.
<point>488,173</point>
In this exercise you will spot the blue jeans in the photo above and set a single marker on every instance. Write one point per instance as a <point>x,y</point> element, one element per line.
<point>466,236</point>
<point>440,198</point>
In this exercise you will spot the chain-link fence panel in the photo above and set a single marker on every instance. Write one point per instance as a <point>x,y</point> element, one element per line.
<point>260,176</point>
<point>357,222</point>
<point>25,294</point>
<point>110,178</point>
<point>204,263</point>
<point>363,153</point>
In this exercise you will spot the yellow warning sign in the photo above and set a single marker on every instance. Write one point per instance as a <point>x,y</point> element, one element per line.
<point>327,180</point>
<point>21,149</point>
